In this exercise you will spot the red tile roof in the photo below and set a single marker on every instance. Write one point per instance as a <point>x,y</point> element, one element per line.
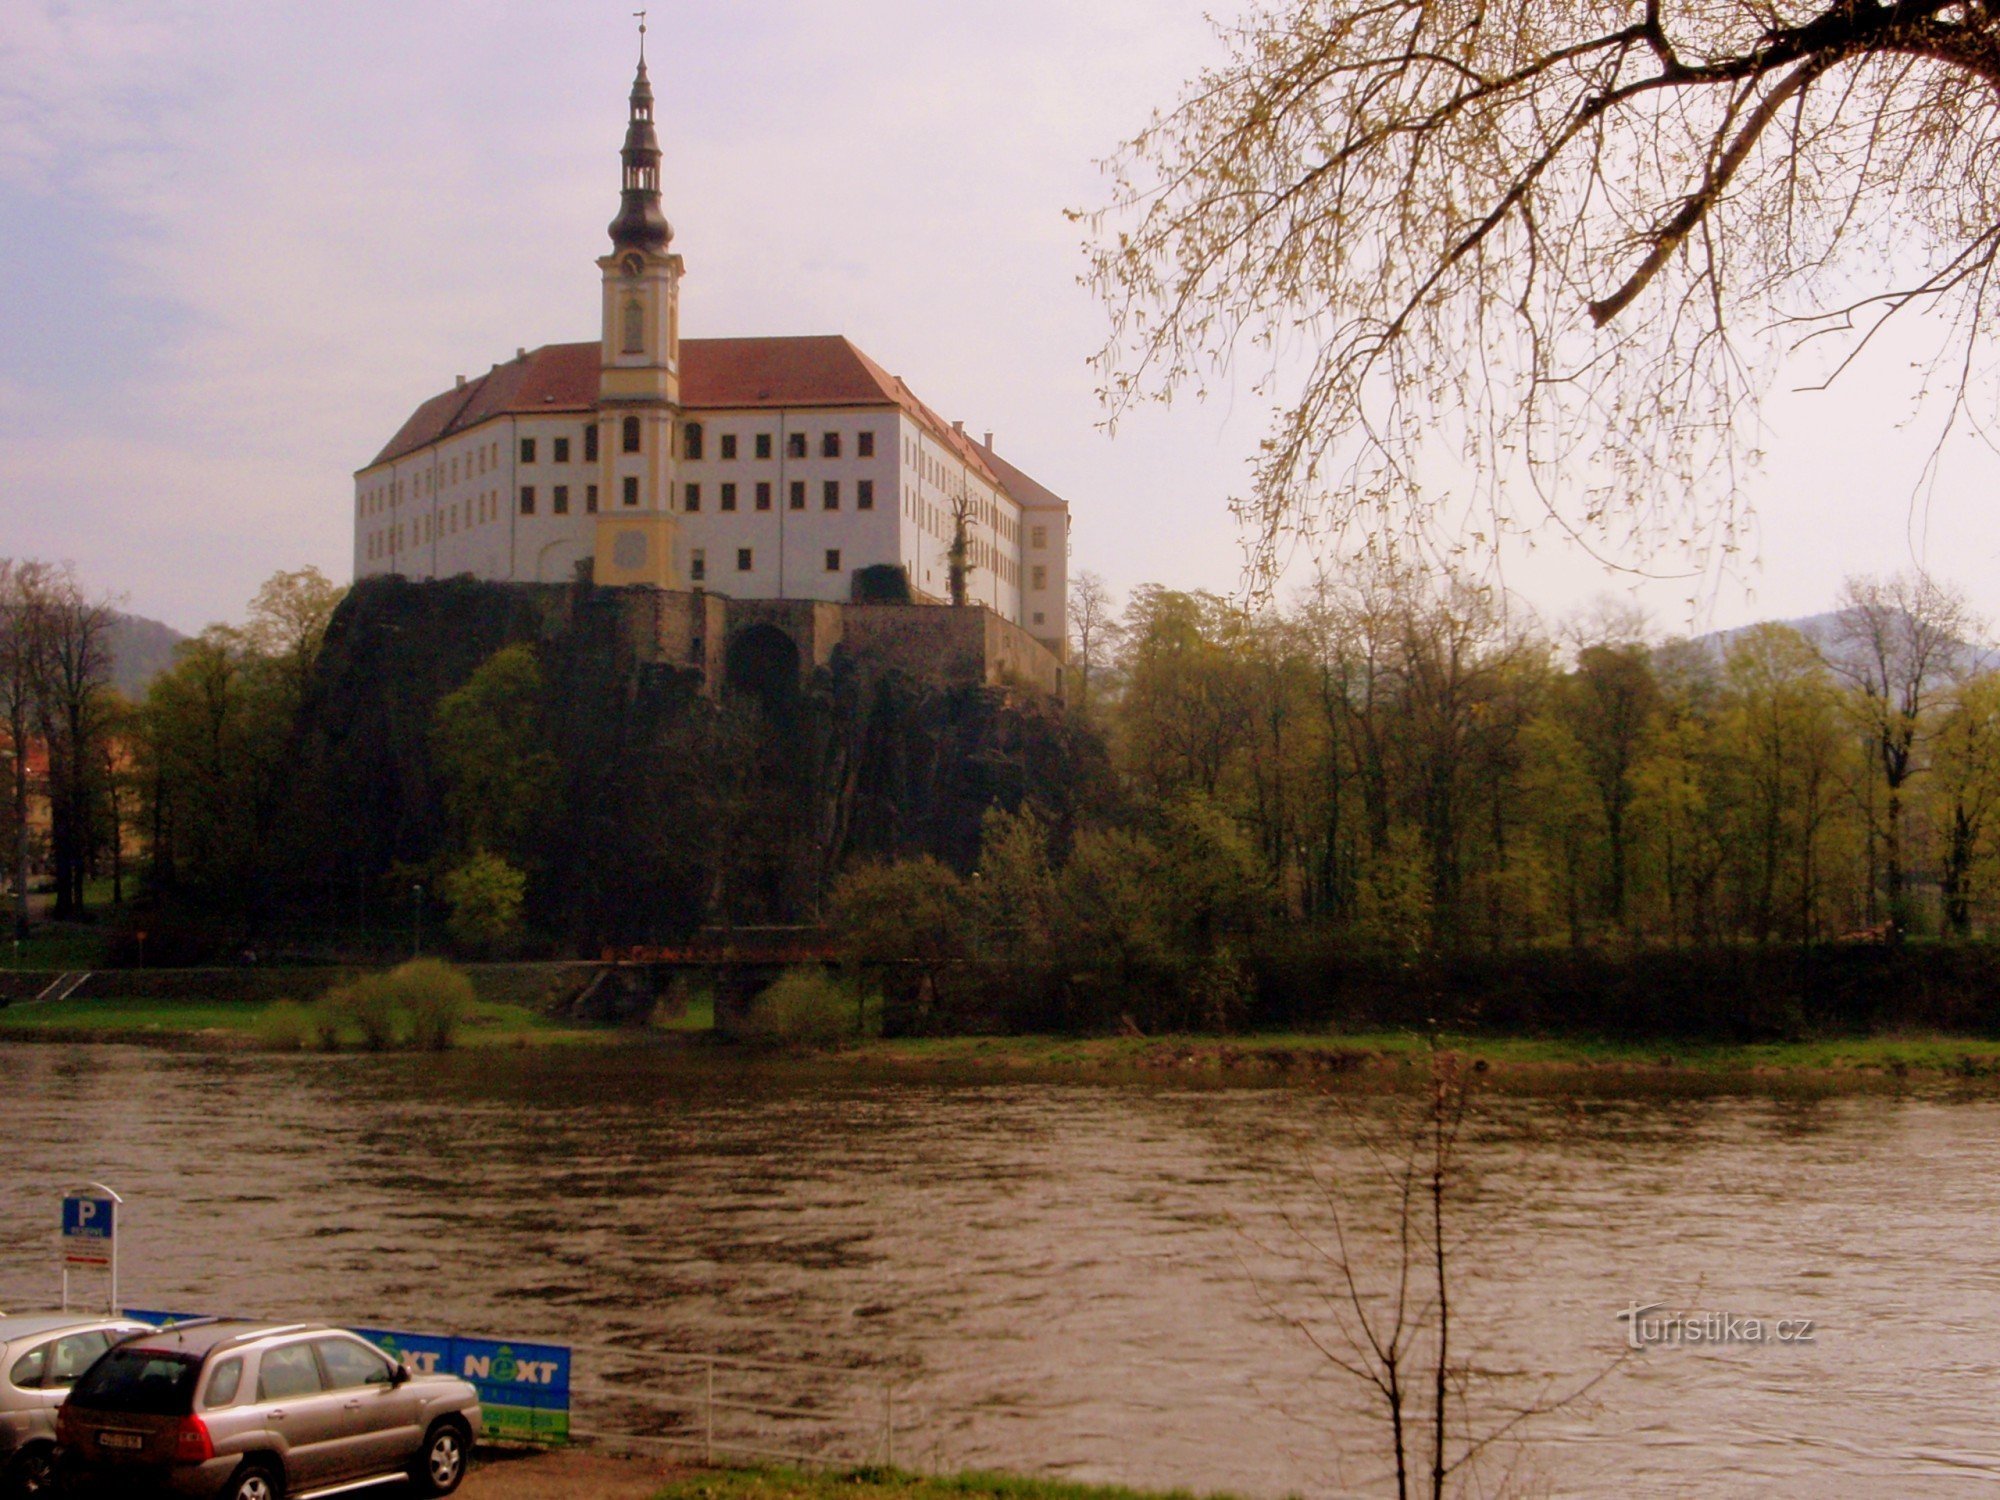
<point>1029,493</point>
<point>716,375</point>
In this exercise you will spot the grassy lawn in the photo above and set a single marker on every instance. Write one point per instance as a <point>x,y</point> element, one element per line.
<point>882,1484</point>
<point>491,1024</point>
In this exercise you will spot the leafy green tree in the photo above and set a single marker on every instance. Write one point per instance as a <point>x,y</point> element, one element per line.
<point>1966,757</point>
<point>911,919</point>
<point>1780,729</point>
<point>1610,700</point>
<point>484,896</point>
<point>502,781</point>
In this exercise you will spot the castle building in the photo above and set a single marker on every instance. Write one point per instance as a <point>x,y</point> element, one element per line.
<point>755,468</point>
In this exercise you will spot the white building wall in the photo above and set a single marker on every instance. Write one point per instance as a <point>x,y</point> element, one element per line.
<point>457,507</point>
<point>788,543</point>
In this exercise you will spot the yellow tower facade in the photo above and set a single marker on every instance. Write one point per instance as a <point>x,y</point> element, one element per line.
<point>639,383</point>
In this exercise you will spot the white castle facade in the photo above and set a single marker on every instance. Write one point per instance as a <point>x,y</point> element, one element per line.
<point>763,468</point>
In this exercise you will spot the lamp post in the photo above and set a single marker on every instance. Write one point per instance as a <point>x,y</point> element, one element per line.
<point>417,926</point>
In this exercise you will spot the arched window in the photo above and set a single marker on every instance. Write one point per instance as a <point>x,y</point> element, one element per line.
<point>635,327</point>
<point>631,434</point>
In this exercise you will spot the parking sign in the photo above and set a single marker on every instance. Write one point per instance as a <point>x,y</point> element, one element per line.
<point>89,1227</point>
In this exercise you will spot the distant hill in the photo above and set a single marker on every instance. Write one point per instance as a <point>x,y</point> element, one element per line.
<point>1823,630</point>
<point>141,649</point>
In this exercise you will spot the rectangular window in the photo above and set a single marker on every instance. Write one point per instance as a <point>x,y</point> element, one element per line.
<point>795,444</point>
<point>729,445</point>
<point>864,444</point>
<point>691,442</point>
<point>830,494</point>
<point>590,499</point>
<point>798,494</point>
<point>763,494</point>
<point>692,495</point>
<point>829,445</point>
<point>527,499</point>
<point>744,558</point>
<point>630,432</point>
<point>864,494</point>
<point>561,455</point>
<point>763,445</point>
<point>631,489</point>
<point>1038,537</point>
<point>590,444</point>
<point>559,500</point>
<point>729,497</point>
<point>697,565</point>
<point>1038,578</point>
<point>833,559</point>
<point>527,450</point>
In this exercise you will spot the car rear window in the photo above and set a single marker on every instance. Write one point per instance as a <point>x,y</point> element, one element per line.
<point>224,1383</point>
<point>159,1382</point>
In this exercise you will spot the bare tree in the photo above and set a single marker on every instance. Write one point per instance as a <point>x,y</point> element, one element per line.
<point>958,558</point>
<point>1093,630</point>
<point>1899,645</point>
<point>70,642</point>
<point>1388,1319</point>
<point>1530,235</point>
<point>20,587</point>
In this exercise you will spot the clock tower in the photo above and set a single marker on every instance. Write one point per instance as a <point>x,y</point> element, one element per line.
<point>639,384</point>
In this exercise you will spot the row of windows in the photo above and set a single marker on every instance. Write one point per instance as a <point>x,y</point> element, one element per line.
<point>559,448</point>
<point>746,562</point>
<point>796,444</point>
<point>693,444</point>
<point>829,495</point>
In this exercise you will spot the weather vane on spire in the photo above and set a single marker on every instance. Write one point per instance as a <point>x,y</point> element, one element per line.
<point>642,33</point>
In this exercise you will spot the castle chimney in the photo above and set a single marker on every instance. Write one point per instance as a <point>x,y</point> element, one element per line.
<point>461,383</point>
<point>520,352</point>
<point>959,428</point>
<point>989,442</point>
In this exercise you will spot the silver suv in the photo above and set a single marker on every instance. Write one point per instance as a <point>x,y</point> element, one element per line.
<point>255,1411</point>
<point>40,1355</point>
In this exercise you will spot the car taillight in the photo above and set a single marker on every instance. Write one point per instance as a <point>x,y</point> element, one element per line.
<point>192,1444</point>
<point>69,1426</point>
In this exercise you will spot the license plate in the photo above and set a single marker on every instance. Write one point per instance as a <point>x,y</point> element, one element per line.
<point>121,1440</point>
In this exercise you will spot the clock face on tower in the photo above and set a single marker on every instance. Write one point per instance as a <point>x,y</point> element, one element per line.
<point>632,265</point>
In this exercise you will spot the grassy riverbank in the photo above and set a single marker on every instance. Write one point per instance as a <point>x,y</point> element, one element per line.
<point>1367,1061</point>
<point>1529,1064</point>
<point>239,1025</point>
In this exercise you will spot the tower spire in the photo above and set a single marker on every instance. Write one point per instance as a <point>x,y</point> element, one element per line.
<point>641,224</point>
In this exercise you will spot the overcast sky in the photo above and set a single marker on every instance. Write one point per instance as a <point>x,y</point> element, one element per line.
<point>240,241</point>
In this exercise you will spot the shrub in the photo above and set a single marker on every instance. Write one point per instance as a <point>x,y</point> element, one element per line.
<point>803,1009</point>
<point>284,1026</point>
<point>369,1006</point>
<point>422,1002</point>
<point>436,998</point>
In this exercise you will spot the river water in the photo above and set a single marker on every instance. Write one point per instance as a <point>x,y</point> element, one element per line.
<point>1100,1281</point>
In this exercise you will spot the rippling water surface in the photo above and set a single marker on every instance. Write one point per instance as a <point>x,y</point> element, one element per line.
<point>1098,1281</point>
